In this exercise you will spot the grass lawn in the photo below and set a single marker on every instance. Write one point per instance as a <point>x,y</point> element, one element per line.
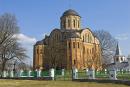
<point>34,83</point>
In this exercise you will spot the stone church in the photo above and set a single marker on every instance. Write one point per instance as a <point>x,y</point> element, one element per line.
<point>68,47</point>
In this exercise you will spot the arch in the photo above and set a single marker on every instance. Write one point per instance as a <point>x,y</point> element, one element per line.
<point>56,35</point>
<point>89,37</point>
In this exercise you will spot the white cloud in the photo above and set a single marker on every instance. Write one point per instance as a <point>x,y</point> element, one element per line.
<point>22,38</point>
<point>27,42</point>
<point>122,37</point>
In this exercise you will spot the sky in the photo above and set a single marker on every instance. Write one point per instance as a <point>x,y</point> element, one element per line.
<point>39,17</point>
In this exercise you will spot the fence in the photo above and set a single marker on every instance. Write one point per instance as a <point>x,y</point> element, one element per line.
<point>69,74</point>
<point>105,74</point>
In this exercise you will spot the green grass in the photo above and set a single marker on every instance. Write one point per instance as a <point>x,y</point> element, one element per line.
<point>34,83</point>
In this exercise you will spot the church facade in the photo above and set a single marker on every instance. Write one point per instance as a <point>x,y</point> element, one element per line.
<point>68,47</point>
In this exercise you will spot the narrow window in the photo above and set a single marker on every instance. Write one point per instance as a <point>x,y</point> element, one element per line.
<point>87,51</point>
<point>64,24</point>
<point>78,23</point>
<point>78,44</point>
<point>68,23</point>
<point>88,38</point>
<point>74,62</point>
<point>73,44</point>
<point>58,37</point>
<point>84,49</point>
<point>74,23</point>
<point>69,45</point>
<point>83,38</point>
<point>55,36</point>
<point>37,51</point>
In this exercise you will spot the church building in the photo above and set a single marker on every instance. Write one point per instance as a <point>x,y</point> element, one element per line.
<point>68,46</point>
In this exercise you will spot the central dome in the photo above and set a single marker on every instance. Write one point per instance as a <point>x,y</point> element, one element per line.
<point>70,12</point>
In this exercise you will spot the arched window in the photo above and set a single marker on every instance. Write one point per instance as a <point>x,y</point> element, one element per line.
<point>78,44</point>
<point>55,38</point>
<point>78,23</point>
<point>68,22</point>
<point>73,44</point>
<point>37,51</point>
<point>74,23</point>
<point>64,23</point>
<point>74,62</point>
<point>88,38</point>
<point>69,44</point>
<point>83,38</point>
<point>84,49</point>
<point>58,37</point>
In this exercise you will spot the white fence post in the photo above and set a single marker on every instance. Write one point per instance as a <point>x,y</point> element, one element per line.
<point>113,75</point>
<point>91,74</point>
<point>52,73</point>
<point>75,73</point>
<point>105,71</point>
<point>86,71</point>
<point>4,74</point>
<point>11,73</point>
<point>63,72</point>
<point>21,72</point>
<point>29,73</point>
<point>39,73</point>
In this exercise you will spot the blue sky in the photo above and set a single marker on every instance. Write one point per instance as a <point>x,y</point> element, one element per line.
<point>39,17</point>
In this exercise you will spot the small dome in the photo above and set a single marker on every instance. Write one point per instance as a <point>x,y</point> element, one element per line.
<point>70,12</point>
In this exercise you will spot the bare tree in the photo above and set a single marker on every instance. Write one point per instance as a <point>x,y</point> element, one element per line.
<point>108,45</point>
<point>54,60</point>
<point>10,49</point>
